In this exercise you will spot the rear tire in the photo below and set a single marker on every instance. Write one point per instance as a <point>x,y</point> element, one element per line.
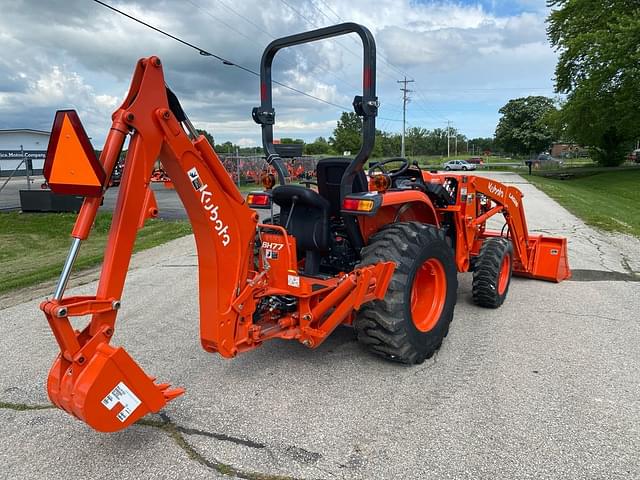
<point>409,324</point>
<point>492,272</point>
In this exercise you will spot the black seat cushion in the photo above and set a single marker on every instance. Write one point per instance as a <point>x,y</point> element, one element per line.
<point>329,172</point>
<point>309,213</point>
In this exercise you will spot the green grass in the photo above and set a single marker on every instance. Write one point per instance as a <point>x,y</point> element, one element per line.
<point>34,246</point>
<point>609,200</point>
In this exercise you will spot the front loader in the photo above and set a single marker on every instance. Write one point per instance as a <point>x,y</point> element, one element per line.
<point>379,250</point>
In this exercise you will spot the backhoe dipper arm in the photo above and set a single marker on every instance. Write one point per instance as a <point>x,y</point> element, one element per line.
<point>90,377</point>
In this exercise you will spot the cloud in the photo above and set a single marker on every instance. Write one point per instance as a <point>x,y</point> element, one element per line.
<point>75,53</point>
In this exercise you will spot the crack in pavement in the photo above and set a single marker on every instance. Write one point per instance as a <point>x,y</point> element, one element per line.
<point>625,261</point>
<point>176,433</point>
<point>601,255</point>
<point>24,407</point>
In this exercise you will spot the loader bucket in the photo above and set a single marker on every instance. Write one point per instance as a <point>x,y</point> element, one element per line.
<point>110,392</point>
<point>549,259</point>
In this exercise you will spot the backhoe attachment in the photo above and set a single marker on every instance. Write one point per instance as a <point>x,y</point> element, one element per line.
<point>91,379</point>
<point>241,305</point>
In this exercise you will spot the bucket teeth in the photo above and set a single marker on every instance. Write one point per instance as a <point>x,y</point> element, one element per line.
<point>173,393</point>
<point>169,393</point>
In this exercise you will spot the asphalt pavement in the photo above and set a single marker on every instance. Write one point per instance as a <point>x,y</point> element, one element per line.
<point>547,386</point>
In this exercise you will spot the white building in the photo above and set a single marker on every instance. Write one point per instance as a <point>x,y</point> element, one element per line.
<point>19,143</point>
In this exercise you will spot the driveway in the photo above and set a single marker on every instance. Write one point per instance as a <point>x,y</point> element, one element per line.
<point>547,386</point>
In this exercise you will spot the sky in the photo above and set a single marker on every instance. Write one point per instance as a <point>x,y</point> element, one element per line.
<point>467,59</point>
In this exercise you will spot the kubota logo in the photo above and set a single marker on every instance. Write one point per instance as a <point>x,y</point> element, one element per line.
<point>497,191</point>
<point>513,199</point>
<point>206,198</point>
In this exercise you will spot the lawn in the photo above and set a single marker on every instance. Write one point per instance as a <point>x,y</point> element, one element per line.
<point>608,200</point>
<point>33,246</point>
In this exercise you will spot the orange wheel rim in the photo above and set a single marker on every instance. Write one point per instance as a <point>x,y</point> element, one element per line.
<point>428,294</point>
<point>503,278</point>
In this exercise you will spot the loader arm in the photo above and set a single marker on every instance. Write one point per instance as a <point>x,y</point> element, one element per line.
<point>508,201</point>
<point>535,256</point>
<point>85,373</point>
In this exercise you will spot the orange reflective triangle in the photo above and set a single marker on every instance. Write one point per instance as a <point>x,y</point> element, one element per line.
<point>71,166</point>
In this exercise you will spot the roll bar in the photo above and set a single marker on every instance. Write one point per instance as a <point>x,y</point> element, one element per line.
<point>365,105</point>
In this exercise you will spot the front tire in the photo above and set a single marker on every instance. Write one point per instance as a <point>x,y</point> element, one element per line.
<point>492,272</point>
<point>409,324</point>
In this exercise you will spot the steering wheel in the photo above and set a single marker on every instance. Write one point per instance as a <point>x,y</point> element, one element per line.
<point>380,165</point>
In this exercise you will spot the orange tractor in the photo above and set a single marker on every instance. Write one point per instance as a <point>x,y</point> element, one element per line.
<point>379,252</point>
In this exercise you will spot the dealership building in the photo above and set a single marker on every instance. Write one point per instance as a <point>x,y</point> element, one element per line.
<point>21,148</point>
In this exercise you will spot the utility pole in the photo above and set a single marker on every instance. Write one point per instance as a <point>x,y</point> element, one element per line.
<point>405,99</point>
<point>448,138</point>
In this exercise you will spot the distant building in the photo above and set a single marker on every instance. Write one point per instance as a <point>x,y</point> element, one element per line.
<point>566,150</point>
<point>19,143</point>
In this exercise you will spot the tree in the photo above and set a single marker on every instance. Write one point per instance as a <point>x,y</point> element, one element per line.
<point>320,146</point>
<point>480,145</point>
<point>599,70</point>
<point>522,129</point>
<point>437,142</point>
<point>287,140</point>
<point>347,136</point>
<point>207,135</point>
<point>226,147</point>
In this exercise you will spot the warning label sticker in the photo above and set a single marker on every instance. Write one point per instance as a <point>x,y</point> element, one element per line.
<point>124,396</point>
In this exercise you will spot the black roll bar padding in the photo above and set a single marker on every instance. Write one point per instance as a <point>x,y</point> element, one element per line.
<point>365,105</point>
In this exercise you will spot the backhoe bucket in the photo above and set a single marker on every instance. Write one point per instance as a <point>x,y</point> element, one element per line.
<point>109,392</point>
<point>549,259</point>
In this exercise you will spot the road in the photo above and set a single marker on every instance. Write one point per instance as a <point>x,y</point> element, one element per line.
<point>547,386</point>
<point>170,207</point>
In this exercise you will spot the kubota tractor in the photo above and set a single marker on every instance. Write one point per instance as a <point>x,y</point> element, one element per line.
<point>380,252</point>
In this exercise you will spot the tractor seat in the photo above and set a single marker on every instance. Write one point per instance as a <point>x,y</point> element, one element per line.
<point>309,213</point>
<point>329,172</point>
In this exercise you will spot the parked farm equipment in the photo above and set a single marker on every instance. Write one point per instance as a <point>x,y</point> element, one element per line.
<point>379,252</point>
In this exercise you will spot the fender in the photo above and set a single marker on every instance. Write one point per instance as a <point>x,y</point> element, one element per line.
<point>399,206</point>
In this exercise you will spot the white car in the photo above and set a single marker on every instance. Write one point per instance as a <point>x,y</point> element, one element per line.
<point>459,165</point>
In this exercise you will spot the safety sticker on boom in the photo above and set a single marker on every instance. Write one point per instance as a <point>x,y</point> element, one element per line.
<point>206,199</point>
<point>124,396</point>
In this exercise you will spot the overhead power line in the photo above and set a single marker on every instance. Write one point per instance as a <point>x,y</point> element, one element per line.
<point>224,60</point>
